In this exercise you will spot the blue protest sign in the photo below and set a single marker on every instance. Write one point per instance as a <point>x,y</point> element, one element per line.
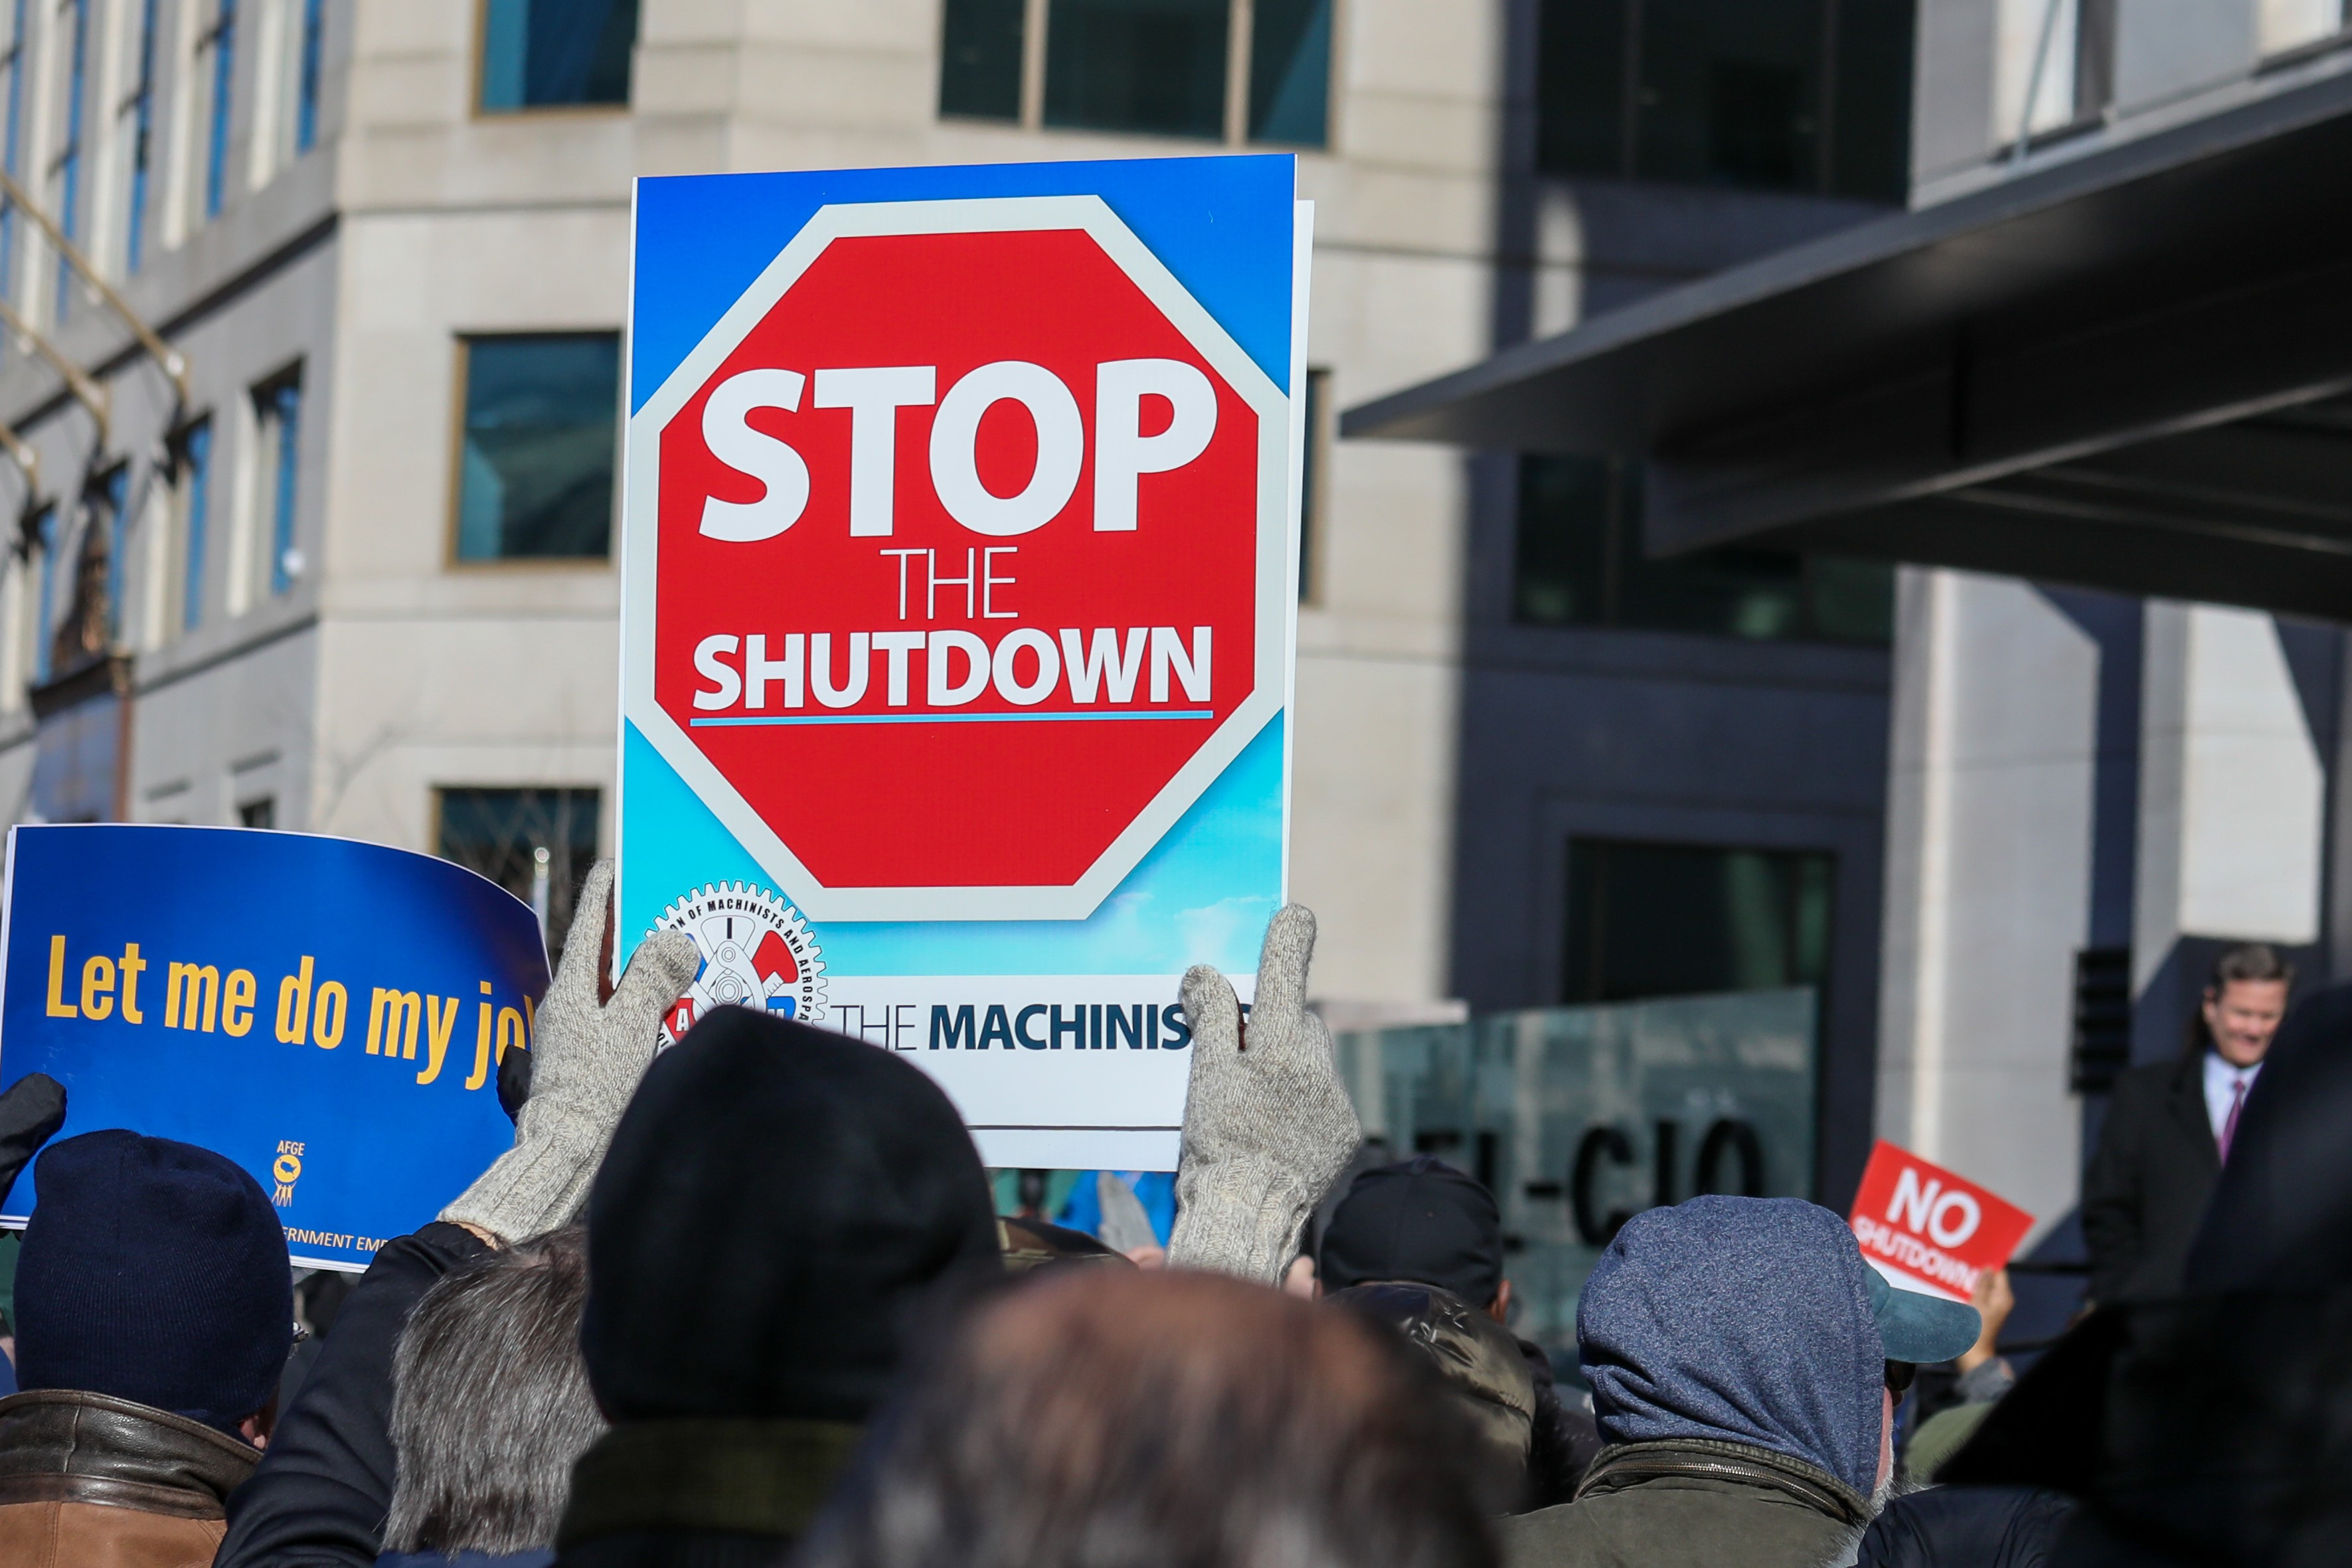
<point>959,601</point>
<point>328,1014</point>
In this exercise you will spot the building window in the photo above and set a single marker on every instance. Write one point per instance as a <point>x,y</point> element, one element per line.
<point>1783,95</point>
<point>261,813</point>
<point>12,144</point>
<point>192,460</point>
<point>45,607</point>
<point>1313,487</point>
<point>305,77</point>
<point>1157,66</point>
<point>556,54</point>
<point>140,114</point>
<point>1678,920</point>
<point>109,505</point>
<point>1162,67</point>
<point>2289,25</point>
<point>1290,72</point>
<point>537,844</point>
<point>2054,66</point>
<point>535,459</point>
<point>66,171</point>
<point>278,453</point>
<point>980,60</point>
<point>220,41</point>
<point>1581,563</point>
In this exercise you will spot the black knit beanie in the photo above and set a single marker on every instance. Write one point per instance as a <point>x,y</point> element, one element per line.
<point>779,1208</point>
<point>153,1271</point>
<point>1420,1220</point>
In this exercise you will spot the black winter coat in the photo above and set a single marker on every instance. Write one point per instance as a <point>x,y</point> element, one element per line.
<point>1967,1527</point>
<point>2204,1430</point>
<point>2148,1183</point>
<point>1566,1439</point>
<point>324,1485</point>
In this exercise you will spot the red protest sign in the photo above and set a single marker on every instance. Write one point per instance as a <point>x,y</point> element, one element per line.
<point>973,565</point>
<point>1929,1228</point>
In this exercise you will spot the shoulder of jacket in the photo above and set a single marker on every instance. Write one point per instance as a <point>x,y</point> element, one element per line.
<point>1561,1536</point>
<point>2155,1080</point>
<point>1715,1465</point>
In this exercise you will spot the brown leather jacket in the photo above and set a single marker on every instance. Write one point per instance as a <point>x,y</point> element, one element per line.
<point>88,1481</point>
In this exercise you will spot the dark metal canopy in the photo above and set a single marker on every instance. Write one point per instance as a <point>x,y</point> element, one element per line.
<point>2126,369</point>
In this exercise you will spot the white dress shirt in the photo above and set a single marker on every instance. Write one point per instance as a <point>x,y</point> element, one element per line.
<point>2222,1080</point>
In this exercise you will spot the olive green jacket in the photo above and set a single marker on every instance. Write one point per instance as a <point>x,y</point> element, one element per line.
<point>1693,1503</point>
<point>700,1490</point>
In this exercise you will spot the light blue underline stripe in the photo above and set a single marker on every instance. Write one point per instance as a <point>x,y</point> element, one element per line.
<point>946,718</point>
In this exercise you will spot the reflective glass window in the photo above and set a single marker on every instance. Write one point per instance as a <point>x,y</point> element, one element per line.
<point>535,462</point>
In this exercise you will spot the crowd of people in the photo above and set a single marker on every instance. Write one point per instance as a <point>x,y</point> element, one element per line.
<point>751,1301</point>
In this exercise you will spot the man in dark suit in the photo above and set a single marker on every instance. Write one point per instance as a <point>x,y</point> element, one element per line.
<point>2169,1130</point>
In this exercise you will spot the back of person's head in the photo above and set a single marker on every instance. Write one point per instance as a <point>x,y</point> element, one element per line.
<point>1744,1320</point>
<point>153,1271</point>
<point>780,1206</point>
<point>1106,1416</point>
<point>490,1403</point>
<point>1420,1220</point>
<point>1477,1361</point>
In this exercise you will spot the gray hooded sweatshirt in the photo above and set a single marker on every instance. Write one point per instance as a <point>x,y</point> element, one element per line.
<point>1736,1375</point>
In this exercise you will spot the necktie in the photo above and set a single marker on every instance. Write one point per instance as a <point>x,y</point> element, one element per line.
<point>2230,1123</point>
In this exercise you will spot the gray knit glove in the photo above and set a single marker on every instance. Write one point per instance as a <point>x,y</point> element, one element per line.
<point>593,1045</point>
<point>1267,1126</point>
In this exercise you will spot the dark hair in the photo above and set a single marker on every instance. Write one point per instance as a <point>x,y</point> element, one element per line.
<point>490,1403</point>
<point>2248,961</point>
<point>1188,1420</point>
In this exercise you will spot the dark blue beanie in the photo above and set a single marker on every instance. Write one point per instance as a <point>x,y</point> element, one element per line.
<point>157,1272</point>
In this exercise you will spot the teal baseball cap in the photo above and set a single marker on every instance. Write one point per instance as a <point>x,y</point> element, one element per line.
<point>1920,1328</point>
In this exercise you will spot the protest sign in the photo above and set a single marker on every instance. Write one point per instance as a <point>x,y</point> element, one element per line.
<point>1929,1229</point>
<point>329,1015</point>
<point>958,593</point>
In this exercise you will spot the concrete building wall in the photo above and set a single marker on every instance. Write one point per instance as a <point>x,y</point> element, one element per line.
<point>1990,827</point>
<point>2231,808</point>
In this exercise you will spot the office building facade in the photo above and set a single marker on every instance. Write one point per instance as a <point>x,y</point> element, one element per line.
<point>315,515</point>
<point>2088,386</point>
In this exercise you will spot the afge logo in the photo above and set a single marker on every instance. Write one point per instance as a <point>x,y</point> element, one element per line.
<point>285,1170</point>
<point>757,952</point>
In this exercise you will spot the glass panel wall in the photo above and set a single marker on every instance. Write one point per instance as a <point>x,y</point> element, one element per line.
<point>1578,1118</point>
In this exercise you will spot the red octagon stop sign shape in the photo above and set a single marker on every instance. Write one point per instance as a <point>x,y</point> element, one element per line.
<point>968,569</point>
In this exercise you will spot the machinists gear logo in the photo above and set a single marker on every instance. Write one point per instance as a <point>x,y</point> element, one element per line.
<point>757,952</point>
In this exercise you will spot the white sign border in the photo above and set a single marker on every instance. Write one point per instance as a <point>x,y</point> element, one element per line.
<point>640,550</point>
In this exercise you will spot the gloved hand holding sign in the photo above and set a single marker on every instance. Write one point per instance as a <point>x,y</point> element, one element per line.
<point>595,1043</point>
<point>1267,1124</point>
